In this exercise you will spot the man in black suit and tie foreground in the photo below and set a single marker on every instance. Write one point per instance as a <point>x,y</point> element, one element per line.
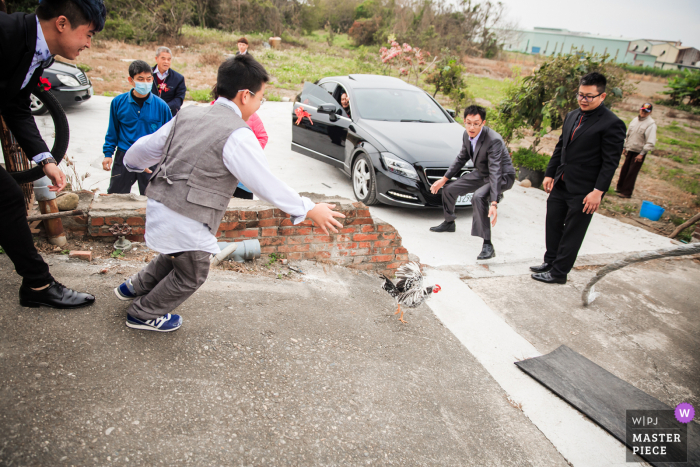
<point>494,174</point>
<point>577,177</point>
<point>27,46</point>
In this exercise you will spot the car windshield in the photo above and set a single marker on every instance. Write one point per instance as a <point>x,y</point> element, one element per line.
<point>397,106</point>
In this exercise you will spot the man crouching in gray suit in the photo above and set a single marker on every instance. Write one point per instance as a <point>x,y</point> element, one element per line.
<point>493,174</point>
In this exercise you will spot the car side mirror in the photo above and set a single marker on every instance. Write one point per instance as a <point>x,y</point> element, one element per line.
<point>452,113</point>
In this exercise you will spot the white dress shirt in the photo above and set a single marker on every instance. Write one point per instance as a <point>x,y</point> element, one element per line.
<point>170,232</point>
<point>161,76</point>
<point>41,53</point>
<point>474,140</point>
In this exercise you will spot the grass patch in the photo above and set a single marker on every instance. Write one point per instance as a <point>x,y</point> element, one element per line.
<point>200,95</point>
<point>492,90</point>
<point>681,179</point>
<point>679,143</point>
<point>110,94</point>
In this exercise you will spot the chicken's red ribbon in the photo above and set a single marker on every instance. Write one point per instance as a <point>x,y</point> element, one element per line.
<point>44,84</point>
<point>301,113</point>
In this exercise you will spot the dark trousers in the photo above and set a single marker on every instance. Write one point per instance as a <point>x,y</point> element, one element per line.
<point>473,182</point>
<point>241,193</point>
<point>566,226</point>
<point>122,180</point>
<point>628,173</point>
<point>16,238</point>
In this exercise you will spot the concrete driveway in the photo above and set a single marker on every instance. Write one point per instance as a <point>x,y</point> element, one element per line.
<point>480,402</point>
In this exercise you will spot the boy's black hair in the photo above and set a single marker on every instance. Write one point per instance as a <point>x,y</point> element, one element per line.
<point>238,73</point>
<point>475,110</point>
<point>78,12</point>
<point>594,79</point>
<point>139,66</point>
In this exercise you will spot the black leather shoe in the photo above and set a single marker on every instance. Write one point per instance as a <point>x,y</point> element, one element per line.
<point>487,252</point>
<point>544,267</point>
<point>54,296</point>
<point>548,278</point>
<point>444,227</point>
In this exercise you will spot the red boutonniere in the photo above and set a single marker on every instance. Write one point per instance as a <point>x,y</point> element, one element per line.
<point>301,113</point>
<point>162,87</point>
<point>44,84</point>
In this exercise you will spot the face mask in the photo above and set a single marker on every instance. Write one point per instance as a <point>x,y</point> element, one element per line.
<point>142,88</point>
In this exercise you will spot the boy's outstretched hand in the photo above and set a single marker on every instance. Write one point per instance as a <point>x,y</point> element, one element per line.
<point>323,216</point>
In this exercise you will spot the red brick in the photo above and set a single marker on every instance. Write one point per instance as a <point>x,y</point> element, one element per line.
<point>367,228</point>
<point>323,254</point>
<point>359,205</point>
<point>388,236</point>
<point>268,241</point>
<point>135,238</point>
<point>295,256</point>
<point>360,220</point>
<point>401,251</point>
<point>286,223</point>
<point>297,231</point>
<point>249,215</point>
<point>97,221</point>
<point>347,230</point>
<point>364,245</point>
<point>138,231</point>
<point>385,228</point>
<point>402,257</point>
<point>362,237</point>
<point>309,255</point>
<point>359,252</point>
<point>318,239</point>
<point>268,249</point>
<point>218,234</point>
<point>343,253</point>
<point>250,233</point>
<point>280,213</point>
<point>231,216</point>
<point>381,243</point>
<point>269,232</point>
<point>293,248</point>
<point>382,258</point>
<point>363,213</point>
<point>272,222</point>
<point>113,220</point>
<point>393,265</point>
<point>135,221</point>
<point>84,255</point>
<point>228,226</point>
<point>266,213</point>
<point>232,233</point>
<point>383,251</point>
<point>346,246</point>
<point>102,233</point>
<point>362,266</point>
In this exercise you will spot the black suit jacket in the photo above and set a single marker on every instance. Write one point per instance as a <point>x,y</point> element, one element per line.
<point>491,159</point>
<point>17,47</point>
<point>589,160</point>
<point>175,94</point>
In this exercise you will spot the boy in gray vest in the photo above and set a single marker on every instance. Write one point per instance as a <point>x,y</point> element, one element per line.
<point>201,154</point>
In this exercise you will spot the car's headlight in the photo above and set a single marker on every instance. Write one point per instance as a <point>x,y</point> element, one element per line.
<point>68,80</point>
<point>399,166</point>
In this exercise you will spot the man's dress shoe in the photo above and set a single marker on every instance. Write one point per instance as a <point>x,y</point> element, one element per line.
<point>54,296</point>
<point>548,278</point>
<point>544,267</point>
<point>444,227</point>
<point>487,252</point>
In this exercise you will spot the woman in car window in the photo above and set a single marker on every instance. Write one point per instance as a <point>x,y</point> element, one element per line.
<point>345,102</point>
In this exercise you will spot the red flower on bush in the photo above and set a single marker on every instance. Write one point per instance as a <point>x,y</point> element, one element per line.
<point>44,84</point>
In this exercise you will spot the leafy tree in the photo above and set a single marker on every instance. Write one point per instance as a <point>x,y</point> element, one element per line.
<point>685,89</point>
<point>448,74</point>
<point>542,100</point>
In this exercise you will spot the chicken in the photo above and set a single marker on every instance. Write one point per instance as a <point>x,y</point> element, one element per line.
<point>409,290</point>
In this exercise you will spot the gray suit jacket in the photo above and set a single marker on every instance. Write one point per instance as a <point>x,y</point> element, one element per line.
<point>492,159</point>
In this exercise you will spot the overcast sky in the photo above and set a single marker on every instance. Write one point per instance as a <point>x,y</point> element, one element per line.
<point>636,19</point>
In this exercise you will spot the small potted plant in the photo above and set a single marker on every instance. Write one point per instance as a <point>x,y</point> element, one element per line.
<point>531,165</point>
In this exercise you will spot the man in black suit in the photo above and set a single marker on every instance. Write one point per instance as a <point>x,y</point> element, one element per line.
<point>578,175</point>
<point>168,84</point>
<point>494,174</point>
<point>27,46</point>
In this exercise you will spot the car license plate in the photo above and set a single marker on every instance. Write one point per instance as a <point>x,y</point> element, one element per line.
<point>465,200</point>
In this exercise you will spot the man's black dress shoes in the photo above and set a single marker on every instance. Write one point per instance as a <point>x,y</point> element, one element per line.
<point>487,252</point>
<point>548,278</point>
<point>544,267</point>
<point>444,227</point>
<point>54,296</point>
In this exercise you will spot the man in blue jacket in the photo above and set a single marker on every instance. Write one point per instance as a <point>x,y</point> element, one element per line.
<point>168,84</point>
<point>132,115</point>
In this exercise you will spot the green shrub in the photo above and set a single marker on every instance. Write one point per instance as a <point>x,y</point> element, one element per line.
<point>84,68</point>
<point>525,157</point>
<point>650,71</point>
<point>200,95</point>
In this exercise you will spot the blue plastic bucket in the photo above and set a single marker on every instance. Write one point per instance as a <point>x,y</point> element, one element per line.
<point>651,211</point>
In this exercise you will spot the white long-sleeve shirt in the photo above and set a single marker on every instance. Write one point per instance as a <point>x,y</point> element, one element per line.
<point>170,232</point>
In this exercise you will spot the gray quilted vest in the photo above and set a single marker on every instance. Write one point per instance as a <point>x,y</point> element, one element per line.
<point>191,178</point>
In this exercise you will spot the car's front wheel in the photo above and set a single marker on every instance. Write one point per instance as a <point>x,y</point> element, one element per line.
<point>364,182</point>
<point>37,107</point>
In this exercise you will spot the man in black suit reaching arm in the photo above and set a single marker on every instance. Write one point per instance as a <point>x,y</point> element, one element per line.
<point>578,175</point>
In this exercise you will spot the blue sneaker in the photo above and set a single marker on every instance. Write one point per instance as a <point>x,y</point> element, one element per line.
<point>165,323</point>
<point>125,291</point>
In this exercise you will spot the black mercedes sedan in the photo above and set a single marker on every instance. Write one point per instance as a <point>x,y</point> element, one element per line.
<point>69,85</point>
<point>394,144</point>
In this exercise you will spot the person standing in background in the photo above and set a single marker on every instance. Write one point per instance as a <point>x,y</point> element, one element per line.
<point>242,46</point>
<point>168,84</point>
<point>641,138</point>
<point>255,124</point>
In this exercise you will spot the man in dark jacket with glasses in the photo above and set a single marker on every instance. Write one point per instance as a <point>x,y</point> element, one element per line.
<point>27,46</point>
<point>578,175</point>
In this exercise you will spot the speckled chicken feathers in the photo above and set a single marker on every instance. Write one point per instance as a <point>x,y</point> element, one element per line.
<point>409,290</point>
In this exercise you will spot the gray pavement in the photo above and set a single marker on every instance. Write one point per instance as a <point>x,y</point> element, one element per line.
<point>263,372</point>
